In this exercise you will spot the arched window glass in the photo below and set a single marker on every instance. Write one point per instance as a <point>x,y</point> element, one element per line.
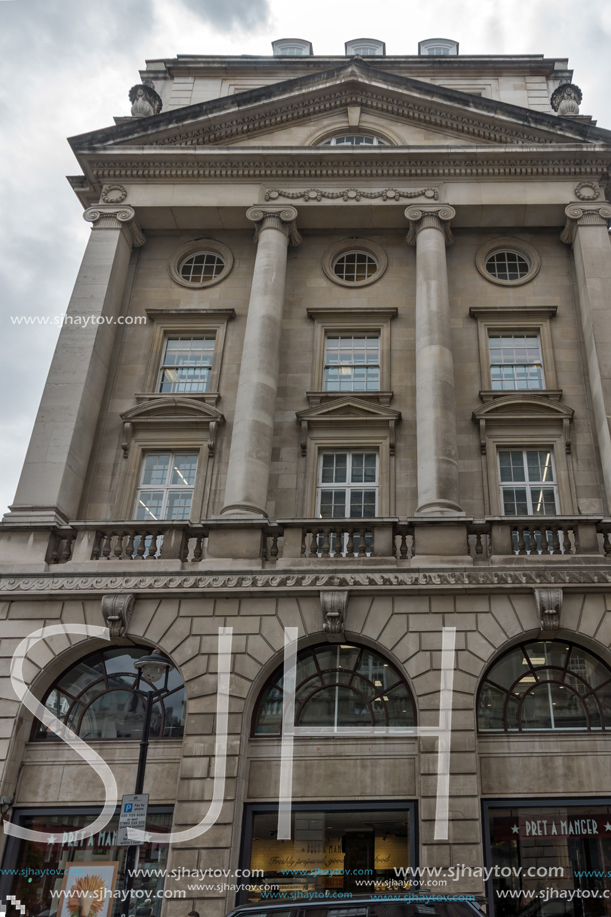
<point>96,699</point>
<point>338,686</point>
<point>546,685</point>
<point>355,140</point>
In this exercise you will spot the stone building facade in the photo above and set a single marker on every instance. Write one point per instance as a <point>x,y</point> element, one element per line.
<point>337,360</point>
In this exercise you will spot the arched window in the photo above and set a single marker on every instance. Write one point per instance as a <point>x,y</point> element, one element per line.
<point>96,699</point>
<point>338,686</point>
<point>545,685</point>
<point>355,140</point>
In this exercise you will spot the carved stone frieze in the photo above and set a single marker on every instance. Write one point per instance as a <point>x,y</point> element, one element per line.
<point>498,579</point>
<point>115,216</point>
<point>351,194</point>
<point>207,165</point>
<point>117,609</point>
<point>549,605</point>
<point>334,603</point>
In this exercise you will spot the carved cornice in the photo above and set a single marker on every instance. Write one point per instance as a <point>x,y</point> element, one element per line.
<point>171,582</point>
<point>412,109</point>
<point>123,165</point>
<point>282,218</point>
<point>351,194</point>
<point>114,216</point>
<point>585,214</point>
<point>429,216</point>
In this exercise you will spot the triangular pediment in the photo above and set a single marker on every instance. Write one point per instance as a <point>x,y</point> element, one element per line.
<point>523,406</point>
<point>348,408</point>
<point>417,113</point>
<point>171,408</point>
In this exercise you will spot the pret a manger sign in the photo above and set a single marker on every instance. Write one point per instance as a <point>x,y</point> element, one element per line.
<point>580,826</point>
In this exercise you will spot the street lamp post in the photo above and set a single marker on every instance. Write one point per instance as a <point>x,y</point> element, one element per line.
<point>152,668</point>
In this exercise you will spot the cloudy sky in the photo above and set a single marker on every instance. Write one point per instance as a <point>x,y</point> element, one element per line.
<point>67,68</point>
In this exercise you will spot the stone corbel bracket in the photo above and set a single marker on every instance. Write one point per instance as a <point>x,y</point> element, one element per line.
<point>116,216</point>
<point>334,604</point>
<point>549,605</point>
<point>117,610</point>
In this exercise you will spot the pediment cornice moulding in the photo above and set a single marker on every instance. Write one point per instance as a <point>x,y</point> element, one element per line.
<point>212,164</point>
<point>356,83</point>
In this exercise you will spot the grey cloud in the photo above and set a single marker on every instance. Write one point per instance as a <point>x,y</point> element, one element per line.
<point>229,15</point>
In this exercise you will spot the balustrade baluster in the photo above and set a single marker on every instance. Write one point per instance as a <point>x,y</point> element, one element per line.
<point>106,549</point>
<point>521,540</point>
<point>326,547</point>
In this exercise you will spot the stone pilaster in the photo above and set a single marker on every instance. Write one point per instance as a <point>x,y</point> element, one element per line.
<point>435,399</point>
<point>253,425</point>
<point>54,471</point>
<point>586,230</point>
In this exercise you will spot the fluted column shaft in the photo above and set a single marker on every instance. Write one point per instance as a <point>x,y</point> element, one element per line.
<point>435,398</point>
<point>57,459</point>
<point>586,230</point>
<point>253,425</point>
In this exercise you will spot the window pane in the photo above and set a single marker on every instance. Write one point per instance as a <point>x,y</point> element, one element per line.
<point>540,466</point>
<point>179,504</point>
<point>334,468</point>
<point>511,466</point>
<point>333,504</point>
<point>362,504</point>
<point>543,501</point>
<point>183,469</point>
<point>202,267</point>
<point>514,501</point>
<point>149,505</point>
<point>155,470</point>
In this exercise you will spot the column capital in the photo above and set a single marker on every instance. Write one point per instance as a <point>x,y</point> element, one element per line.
<point>429,216</point>
<point>116,216</point>
<point>282,218</point>
<point>586,214</point>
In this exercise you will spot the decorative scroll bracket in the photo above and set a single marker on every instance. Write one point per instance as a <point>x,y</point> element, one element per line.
<point>117,609</point>
<point>549,605</point>
<point>334,603</point>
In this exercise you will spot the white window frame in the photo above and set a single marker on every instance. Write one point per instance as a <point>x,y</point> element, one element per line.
<point>365,47</point>
<point>351,335</point>
<point>204,388</point>
<point>375,139</point>
<point>524,320</point>
<point>167,488</point>
<point>527,484</point>
<point>348,486</point>
<point>534,333</point>
<point>184,323</point>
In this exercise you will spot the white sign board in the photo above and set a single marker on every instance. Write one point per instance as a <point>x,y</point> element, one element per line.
<point>132,818</point>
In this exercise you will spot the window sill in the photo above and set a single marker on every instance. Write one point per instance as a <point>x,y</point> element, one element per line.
<point>203,397</point>
<point>317,398</point>
<point>550,394</point>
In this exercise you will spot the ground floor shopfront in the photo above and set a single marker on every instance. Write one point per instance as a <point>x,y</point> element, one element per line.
<point>530,760</point>
<point>549,856</point>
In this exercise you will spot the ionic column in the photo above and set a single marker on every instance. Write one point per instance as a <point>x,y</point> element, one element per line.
<point>253,425</point>
<point>435,401</point>
<point>586,230</point>
<point>56,462</point>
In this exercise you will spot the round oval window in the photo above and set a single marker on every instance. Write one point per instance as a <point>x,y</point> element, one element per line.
<point>354,267</point>
<point>507,265</point>
<point>202,267</point>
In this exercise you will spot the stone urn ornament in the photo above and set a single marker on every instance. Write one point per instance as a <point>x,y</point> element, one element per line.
<point>145,101</point>
<point>566,100</point>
